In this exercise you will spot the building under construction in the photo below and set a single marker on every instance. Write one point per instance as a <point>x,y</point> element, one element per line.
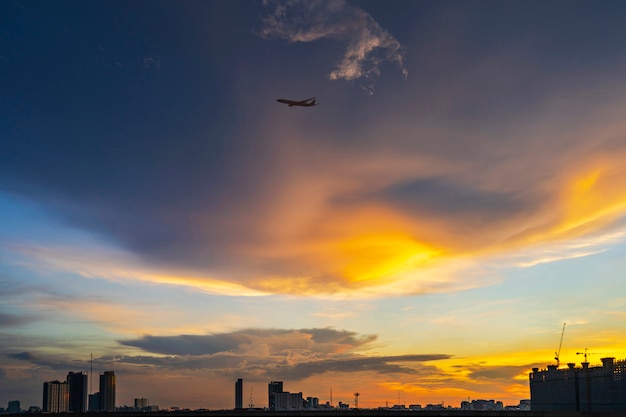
<point>595,388</point>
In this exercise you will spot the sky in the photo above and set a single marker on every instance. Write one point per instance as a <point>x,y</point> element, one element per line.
<point>420,236</point>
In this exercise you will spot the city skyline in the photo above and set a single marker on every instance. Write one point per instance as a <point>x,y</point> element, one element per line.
<point>59,397</point>
<point>420,235</point>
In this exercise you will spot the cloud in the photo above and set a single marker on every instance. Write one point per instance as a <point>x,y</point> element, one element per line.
<point>505,373</point>
<point>12,320</point>
<point>256,354</point>
<point>273,341</point>
<point>380,365</point>
<point>406,195</point>
<point>271,353</point>
<point>24,356</point>
<point>461,205</point>
<point>47,361</point>
<point>368,44</point>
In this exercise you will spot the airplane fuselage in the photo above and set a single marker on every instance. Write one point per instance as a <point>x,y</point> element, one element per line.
<point>304,103</point>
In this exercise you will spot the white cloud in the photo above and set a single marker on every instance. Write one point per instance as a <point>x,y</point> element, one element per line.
<point>368,44</point>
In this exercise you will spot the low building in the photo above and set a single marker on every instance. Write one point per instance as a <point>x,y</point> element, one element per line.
<point>14,407</point>
<point>597,388</point>
<point>287,401</point>
<point>312,403</point>
<point>482,405</point>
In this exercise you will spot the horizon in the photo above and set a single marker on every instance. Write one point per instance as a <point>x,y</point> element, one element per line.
<point>421,234</point>
<point>399,403</point>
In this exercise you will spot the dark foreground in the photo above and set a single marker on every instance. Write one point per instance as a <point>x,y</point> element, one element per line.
<point>351,413</point>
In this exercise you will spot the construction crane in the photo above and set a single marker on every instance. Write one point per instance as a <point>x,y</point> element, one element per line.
<point>557,354</point>
<point>586,352</point>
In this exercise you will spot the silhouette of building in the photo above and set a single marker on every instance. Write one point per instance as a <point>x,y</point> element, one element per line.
<point>94,402</point>
<point>598,388</point>
<point>239,393</point>
<point>106,398</point>
<point>287,401</point>
<point>141,403</point>
<point>77,384</point>
<point>482,405</point>
<point>13,407</point>
<point>312,402</point>
<point>56,397</point>
<point>273,388</point>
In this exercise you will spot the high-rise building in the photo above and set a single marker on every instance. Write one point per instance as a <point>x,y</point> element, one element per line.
<point>77,384</point>
<point>56,397</point>
<point>107,391</point>
<point>239,393</point>
<point>273,387</point>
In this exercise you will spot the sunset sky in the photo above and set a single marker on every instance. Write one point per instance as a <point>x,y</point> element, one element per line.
<point>418,237</point>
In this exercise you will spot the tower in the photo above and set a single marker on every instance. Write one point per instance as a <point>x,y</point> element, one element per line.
<point>239,394</point>
<point>106,399</point>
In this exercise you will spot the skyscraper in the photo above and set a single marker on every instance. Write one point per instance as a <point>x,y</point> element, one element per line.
<point>107,391</point>
<point>77,384</point>
<point>273,388</point>
<point>239,393</point>
<point>56,397</point>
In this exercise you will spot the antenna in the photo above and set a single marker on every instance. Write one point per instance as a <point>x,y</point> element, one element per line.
<point>557,354</point>
<point>251,405</point>
<point>356,400</point>
<point>331,396</point>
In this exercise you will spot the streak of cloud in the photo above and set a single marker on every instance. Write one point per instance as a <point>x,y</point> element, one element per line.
<point>13,320</point>
<point>368,44</point>
<point>256,354</point>
<point>507,373</point>
<point>274,342</point>
<point>265,353</point>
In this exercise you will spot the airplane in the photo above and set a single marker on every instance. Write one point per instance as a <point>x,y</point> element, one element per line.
<point>309,102</point>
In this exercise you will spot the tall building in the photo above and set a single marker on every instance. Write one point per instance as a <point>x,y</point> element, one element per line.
<point>56,397</point>
<point>107,391</point>
<point>273,387</point>
<point>596,388</point>
<point>77,384</point>
<point>239,393</point>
